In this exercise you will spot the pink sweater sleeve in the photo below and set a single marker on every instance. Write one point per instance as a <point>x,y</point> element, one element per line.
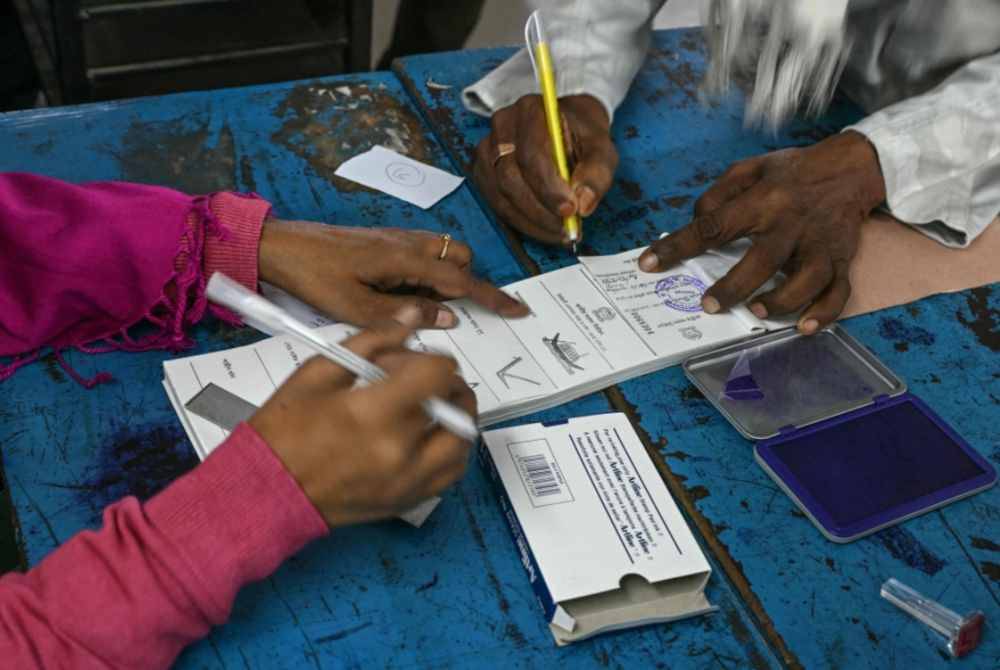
<point>84,263</point>
<point>234,253</point>
<point>157,576</point>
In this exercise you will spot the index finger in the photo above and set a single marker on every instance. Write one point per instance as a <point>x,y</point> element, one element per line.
<point>710,231</point>
<point>388,335</point>
<point>534,154</point>
<point>368,344</point>
<point>501,183</point>
<point>737,178</point>
<point>415,381</point>
<point>763,260</point>
<point>452,282</point>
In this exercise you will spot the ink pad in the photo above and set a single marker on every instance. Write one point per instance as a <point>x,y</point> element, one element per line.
<point>837,431</point>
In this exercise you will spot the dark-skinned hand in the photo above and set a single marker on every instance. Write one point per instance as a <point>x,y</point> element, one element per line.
<point>367,453</point>
<point>366,275</point>
<point>524,188</point>
<point>802,210</point>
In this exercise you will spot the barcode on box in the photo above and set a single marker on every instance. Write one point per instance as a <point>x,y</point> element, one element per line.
<point>539,471</point>
<point>541,477</point>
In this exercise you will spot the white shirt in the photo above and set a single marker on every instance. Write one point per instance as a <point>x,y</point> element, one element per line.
<point>928,72</point>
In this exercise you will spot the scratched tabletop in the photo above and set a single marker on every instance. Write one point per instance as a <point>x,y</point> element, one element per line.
<point>816,603</point>
<point>451,594</point>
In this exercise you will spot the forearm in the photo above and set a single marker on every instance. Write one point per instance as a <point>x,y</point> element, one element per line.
<point>84,263</point>
<point>940,154</point>
<point>597,48</point>
<point>157,576</point>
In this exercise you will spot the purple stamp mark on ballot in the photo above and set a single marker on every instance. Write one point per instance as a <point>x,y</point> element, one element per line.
<point>681,292</point>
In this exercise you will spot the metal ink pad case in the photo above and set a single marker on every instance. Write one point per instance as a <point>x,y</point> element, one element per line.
<point>836,430</point>
<point>799,380</point>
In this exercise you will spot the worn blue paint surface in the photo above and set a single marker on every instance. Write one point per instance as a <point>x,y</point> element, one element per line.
<point>452,594</point>
<point>821,598</point>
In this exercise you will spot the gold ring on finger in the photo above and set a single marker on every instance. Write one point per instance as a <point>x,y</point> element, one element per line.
<point>503,149</point>
<point>445,243</point>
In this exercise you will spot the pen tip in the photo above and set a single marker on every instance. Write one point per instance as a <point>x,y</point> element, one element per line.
<point>574,249</point>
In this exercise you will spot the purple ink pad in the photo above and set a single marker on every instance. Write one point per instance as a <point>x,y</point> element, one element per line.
<point>874,467</point>
<point>837,431</point>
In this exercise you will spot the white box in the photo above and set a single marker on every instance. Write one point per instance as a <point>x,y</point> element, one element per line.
<point>603,542</point>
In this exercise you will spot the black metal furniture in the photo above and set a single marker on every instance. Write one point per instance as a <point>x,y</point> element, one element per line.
<point>108,49</point>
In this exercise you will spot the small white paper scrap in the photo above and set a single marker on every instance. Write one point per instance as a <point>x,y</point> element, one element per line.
<point>400,176</point>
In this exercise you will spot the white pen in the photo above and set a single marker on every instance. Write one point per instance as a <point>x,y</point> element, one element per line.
<point>257,309</point>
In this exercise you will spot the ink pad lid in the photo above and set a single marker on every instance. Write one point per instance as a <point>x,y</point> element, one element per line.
<point>783,381</point>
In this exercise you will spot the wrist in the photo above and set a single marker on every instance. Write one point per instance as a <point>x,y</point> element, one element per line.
<point>866,169</point>
<point>268,252</point>
<point>234,248</point>
<point>589,108</point>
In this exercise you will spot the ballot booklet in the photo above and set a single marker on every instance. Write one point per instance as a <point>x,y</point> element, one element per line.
<point>592,325</point>
<point>599,535</point>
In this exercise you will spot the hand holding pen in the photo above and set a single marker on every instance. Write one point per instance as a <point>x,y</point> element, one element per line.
<point>541,61</point>
<point>260,312</point>
<point>367,453</point>
<point>516,171</point>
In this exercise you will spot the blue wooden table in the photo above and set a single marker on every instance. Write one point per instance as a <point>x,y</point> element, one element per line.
<point>453,594</point>
<point>815,602</point>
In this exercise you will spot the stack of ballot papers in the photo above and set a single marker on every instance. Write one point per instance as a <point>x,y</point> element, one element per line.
<point>593,324</point>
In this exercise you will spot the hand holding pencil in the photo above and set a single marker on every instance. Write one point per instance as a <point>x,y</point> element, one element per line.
<point>517,167</point>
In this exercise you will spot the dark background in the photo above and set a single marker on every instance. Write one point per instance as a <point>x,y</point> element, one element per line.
<point>76,51</point>
<point>19,83</point>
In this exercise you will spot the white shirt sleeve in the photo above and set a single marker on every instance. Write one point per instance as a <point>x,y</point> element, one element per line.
<point>597,47</point>
<point>940,154</point>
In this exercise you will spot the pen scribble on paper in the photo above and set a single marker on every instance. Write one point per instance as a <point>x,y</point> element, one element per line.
<point>405,174</point>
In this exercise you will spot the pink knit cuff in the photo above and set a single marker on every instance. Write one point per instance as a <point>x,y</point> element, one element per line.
<point>242,217</point>
<point>235,518</point>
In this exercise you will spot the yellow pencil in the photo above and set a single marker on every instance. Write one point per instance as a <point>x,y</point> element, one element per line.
<point>541,59</point>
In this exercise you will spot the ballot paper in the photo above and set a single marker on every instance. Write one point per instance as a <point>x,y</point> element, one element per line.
<point>604,544</point>
<point>592,325</point>
<point>400,176</point>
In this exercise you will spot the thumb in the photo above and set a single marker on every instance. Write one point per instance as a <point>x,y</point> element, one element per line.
<point>593,174</point>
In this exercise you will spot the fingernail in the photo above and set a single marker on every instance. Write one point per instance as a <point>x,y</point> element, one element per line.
<point>587,199</point>
<point>710,304</point>
<point>445,319</point>
<point>566,208</point>
<point>759,310</point>
<point>648,262</point>
<point>409,316</point>
<point>516,308</point>
<point>809,326</point>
